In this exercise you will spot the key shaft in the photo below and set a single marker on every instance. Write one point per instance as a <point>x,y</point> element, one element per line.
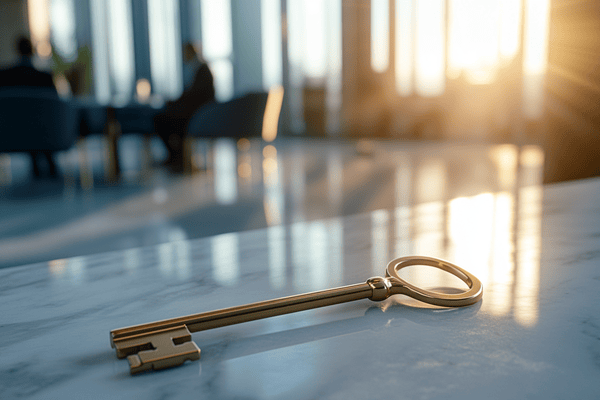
<point>254,311</point>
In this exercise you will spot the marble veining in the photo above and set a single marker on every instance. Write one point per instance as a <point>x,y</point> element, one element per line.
<point>536,334</point>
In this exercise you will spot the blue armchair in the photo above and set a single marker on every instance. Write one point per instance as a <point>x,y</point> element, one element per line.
<point>36,120</point>
<point>237,118</point>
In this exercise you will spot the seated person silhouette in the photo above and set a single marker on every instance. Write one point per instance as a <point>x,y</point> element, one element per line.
<point>199,89</point>
<point>24,74</point>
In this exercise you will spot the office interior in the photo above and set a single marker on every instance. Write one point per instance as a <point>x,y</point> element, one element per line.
<point>418,113</point>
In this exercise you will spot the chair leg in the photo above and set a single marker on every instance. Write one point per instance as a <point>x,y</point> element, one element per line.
<point>188,153</point>
<point>112,131</point>
<point>85,174</point>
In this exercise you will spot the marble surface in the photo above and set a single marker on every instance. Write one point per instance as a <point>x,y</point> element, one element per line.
<point>536,334</point>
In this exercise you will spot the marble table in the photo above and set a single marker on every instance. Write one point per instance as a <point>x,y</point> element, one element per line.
<point>536,334</point>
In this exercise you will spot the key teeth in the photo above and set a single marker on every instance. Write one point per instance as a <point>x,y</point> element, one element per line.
<point>137,365</point>
<point>134,363</point>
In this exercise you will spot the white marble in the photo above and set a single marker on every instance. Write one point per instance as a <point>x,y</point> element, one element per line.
<point>536,334</point>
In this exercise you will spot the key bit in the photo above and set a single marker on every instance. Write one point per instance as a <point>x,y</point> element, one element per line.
<point>157,349</point>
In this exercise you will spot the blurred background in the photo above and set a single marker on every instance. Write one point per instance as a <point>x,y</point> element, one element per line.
<point>371,105</point>
<point>502,71</point>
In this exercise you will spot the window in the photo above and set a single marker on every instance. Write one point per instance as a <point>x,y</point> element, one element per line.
<point>380,34</point>
<point>165,47</point>
<point>217,44</point>
<point>271,43</point>
<point>112,40</point>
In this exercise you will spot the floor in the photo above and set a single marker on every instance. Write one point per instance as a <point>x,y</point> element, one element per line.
<point>239,186</point>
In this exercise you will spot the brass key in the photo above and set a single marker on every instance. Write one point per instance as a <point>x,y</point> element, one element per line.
<point>168,343</point>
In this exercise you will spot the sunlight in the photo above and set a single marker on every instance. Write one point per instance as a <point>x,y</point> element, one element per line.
<point>470,230</point>
<point>502,272</point>
<point>315,50</point>
<point>62,16</point>
<point>403,211</point>
<point>272,71</point>
<point>506,158</point>
<point>121,57</point>
<point>379,240</point>
<point>535,56</point>
<point>276,240</point>
<point>380,33</point>
<point>535,46</point>
<point>529,238</point>
<point>430,54</point>
<point>100,63</point>
<point>483,37</point>
<point>216,29</point>
<point>165,52</point>
<point>39,26</point>
<point>510,28</point>
<point>404,47</point>
<point>217,44</point>
<point>474,40</point>
<point>225,172</point>
<point>226,258</point>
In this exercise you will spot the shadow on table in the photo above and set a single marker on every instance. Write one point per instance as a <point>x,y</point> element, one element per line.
<point>377,316</point>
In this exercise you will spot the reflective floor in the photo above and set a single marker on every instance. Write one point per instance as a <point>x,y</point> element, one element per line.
<point>457,201</point>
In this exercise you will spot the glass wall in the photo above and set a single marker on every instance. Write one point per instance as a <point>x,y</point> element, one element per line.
<point>217,44</point>
<point>165,47</point>
<point>422,47</point>
<point>112,51</point>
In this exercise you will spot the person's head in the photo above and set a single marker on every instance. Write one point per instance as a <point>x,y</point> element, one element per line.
<point>190,53</point>
<point>24,47</point>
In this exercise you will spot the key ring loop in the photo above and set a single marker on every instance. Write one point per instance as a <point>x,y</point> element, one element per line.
<point>400,286</point>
